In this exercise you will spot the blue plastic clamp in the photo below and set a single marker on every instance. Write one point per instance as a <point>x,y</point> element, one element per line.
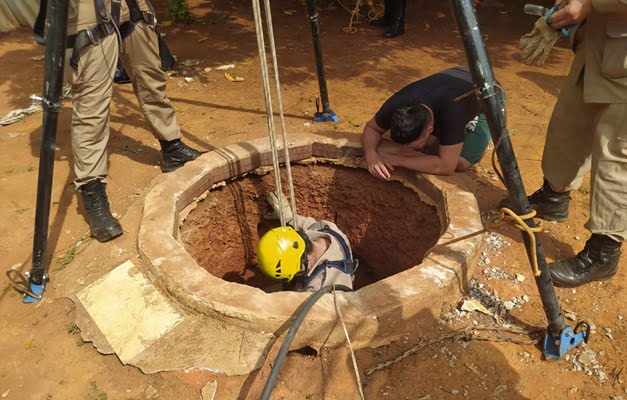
<point>325,116</point>
<point>35,289</point>
<point>566,30</point>
<point>555,349</point>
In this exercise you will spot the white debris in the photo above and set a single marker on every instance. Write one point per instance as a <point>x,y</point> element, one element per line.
<point>190,63</point>
<point>570,315</point>
<point>475,305</point>
<point>225,67</point>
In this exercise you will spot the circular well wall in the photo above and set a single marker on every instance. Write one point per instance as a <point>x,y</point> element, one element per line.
<point>376,313</point>
<point>390,228</point>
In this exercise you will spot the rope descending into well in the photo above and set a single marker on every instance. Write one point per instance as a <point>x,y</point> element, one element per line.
<point>270,114</point>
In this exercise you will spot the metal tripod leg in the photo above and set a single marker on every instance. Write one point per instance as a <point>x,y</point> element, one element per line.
<point>327,114</point>
<point>559,337</point>
<point>52,96</point>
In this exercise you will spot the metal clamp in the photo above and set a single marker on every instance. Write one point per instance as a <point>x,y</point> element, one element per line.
<point>555,349</point>
<point>324,115</point>
<point>31,292</point>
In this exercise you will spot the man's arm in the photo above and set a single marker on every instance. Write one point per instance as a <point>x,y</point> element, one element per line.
<point>444,163</point>
<point>370,139</point>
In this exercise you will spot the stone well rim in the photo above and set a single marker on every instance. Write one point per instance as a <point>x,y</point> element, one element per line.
<point>368,311</point>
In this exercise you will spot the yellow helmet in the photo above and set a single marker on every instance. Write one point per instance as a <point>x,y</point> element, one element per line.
<point>279,253</point>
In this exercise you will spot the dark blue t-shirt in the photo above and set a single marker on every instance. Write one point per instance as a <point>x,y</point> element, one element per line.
<point>438,92</point>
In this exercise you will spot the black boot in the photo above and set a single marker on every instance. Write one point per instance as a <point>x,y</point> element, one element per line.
<point>549,204</point>
<point>176,154</point>
<point>397,19</point>
<point>102,224</point>
<point>598,261</point>
<point>384,21</point>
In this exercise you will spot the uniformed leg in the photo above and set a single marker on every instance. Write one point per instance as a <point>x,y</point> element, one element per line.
<point>140,55</point>
<point>385,20</point>
<point>608,192</point>
<point>569,139</point>
<point>396,18</point>
<point>598,261</point>
<point>92,86</point>
<point>606,139</point>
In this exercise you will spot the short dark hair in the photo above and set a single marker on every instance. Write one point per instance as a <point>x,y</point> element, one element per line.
<point>408,123</point>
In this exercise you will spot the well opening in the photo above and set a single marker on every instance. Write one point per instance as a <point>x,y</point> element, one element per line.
<point>389,226</point>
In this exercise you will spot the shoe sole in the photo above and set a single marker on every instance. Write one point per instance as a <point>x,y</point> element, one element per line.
<point>556,218</point>
<point>575,285</point>
<point>170,168</point>
<point>108,235</point>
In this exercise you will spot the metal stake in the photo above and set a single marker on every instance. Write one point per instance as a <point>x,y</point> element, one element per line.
<point>57,11</point>
<point>327,114</point>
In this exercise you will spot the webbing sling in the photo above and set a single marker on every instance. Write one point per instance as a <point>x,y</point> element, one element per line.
<point>92,35</point>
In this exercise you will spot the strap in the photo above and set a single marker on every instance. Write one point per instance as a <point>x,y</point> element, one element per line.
<point>340,239</point>
<point>86,37</point>
<point>38,28</point>
<point>116,6</point>
<point>126,29</point>
<point>101,14</point>
<point>346,265</point>
<point>136,13</point>
<point>101,11</point>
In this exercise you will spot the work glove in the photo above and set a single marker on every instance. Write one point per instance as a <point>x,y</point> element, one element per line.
<point>539,42</point>
<point>273,200</point>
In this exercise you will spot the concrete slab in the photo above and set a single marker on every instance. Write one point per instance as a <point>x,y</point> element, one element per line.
<point>205,343</point>
<point>128,310</point>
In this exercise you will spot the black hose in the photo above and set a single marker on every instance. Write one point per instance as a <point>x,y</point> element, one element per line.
<point>276,367</point>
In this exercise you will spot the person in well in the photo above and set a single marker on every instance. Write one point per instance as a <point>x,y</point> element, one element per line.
<point>307,254</point>
<point>436,126</point>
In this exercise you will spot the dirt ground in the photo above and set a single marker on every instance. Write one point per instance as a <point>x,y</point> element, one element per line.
<point>43,356</point>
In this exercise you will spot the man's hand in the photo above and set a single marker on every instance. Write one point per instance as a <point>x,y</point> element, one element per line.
<point>273,200</point>
<point>571,13</point>
<point>378,166</point>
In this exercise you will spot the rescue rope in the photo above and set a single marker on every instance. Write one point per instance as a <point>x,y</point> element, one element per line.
<point>467,334</point>
<point>355,13</point>
<point>275,64</point>
<point>21,283</point>
<point>350,346</point>
<point>268,100</point>
<point>505,216</point>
